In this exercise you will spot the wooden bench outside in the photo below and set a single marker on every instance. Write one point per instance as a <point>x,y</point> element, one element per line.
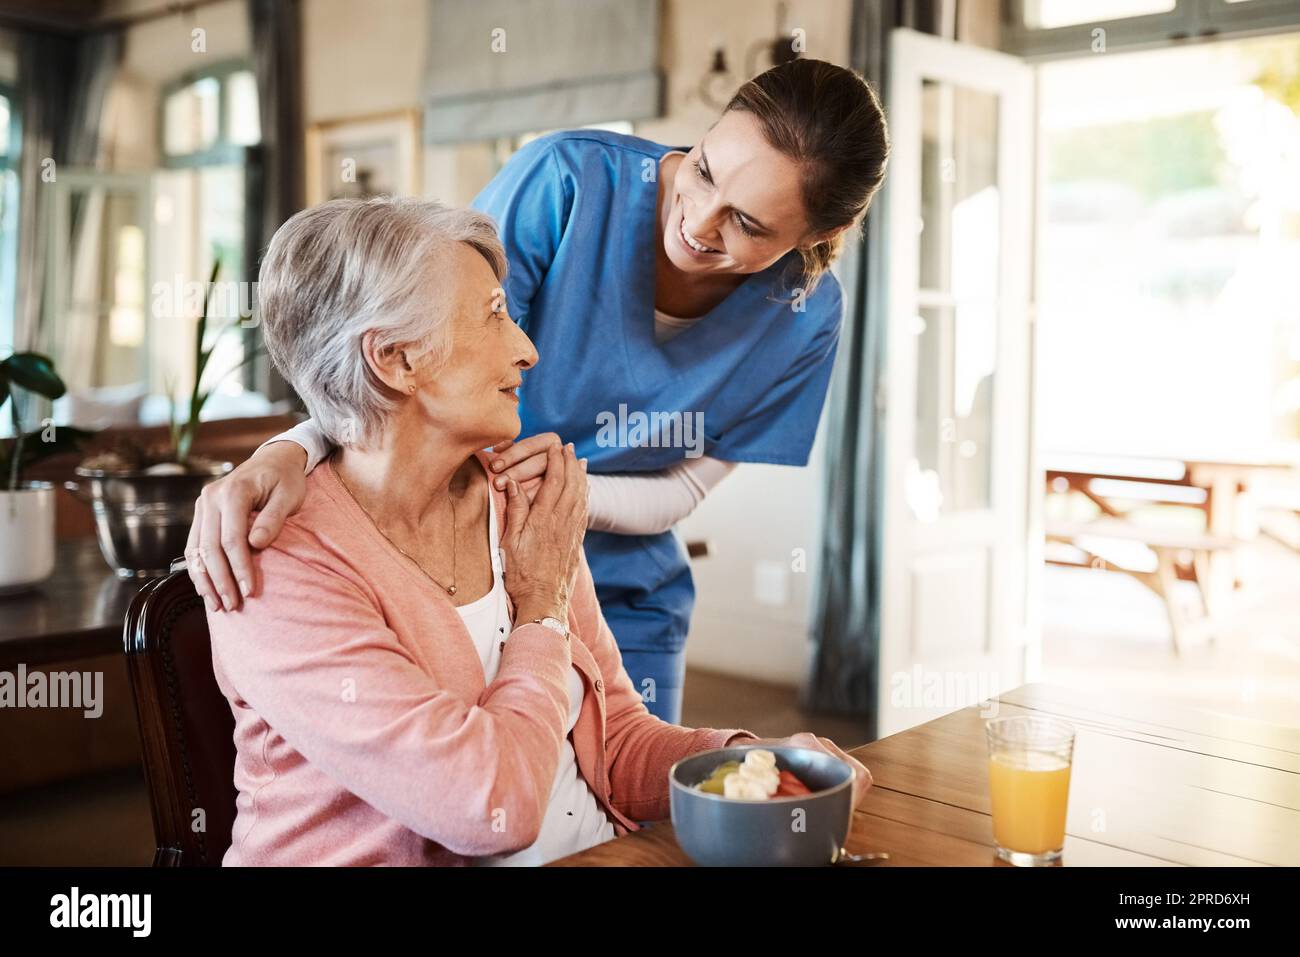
<point>1177,555</point>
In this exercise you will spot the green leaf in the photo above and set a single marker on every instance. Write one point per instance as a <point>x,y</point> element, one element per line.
<point>184,435</point>
<point>66,439</point>
<point>34,372</point>
<point>34,448</point>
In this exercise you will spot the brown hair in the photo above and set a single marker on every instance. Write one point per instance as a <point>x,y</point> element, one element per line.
<point>830,121</point>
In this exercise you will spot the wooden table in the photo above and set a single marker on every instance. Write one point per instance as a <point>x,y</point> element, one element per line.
<point>1224,482</point>
<point>1151,785</point>
<point>77,613</point>
<point>1086,542</point>
<point>72,623</point>
<point>1221,486</point>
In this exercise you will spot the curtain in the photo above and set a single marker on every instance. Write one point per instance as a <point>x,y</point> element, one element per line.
<point>845,626</point>
<point>44,76</point>
<point>274,186</point>
<point>502,67</point>
<point>83,331</point>
<point>64,82</point>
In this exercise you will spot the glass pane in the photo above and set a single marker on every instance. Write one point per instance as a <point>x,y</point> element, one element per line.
<point>1168,320</point>
<point>190,118</point>
<point>221,232</point>
<point>1046,14</point>
<point>126,316</point>
<point>242,121</point>
<point>959,191</point>
<point>956,359</point>
<point>198,214</point>
<point>100,299</point>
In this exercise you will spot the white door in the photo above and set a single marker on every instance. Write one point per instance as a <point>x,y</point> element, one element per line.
<point>954,625</point>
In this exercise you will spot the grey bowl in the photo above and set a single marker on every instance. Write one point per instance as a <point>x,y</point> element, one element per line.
<point>806,831</point>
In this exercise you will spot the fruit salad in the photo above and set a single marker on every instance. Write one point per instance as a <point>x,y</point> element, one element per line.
<point>754,779</point>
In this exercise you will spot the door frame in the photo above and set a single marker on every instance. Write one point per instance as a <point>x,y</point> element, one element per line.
<point>915,56</point>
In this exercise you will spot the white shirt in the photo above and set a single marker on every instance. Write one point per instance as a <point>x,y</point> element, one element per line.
<point>667,326</point>
<point>574,820</point>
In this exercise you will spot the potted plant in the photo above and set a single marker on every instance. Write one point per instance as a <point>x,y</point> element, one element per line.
<point>143,495</point>
<point>27,508</point>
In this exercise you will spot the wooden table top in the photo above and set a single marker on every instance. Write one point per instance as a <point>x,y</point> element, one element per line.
<point>77,613</point>
<point>1161,470</point>
<point>1152,784</point>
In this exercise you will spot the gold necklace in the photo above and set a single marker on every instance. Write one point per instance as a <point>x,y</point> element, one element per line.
<point>449,589</point>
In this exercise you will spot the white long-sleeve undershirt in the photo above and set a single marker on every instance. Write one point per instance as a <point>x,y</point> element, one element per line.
<point>638,503</point>
<point>651,502</point>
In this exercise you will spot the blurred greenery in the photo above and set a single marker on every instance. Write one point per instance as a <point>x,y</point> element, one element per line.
<point>1158,157</point>
<point>1280,79</point>
<point>34,373</point>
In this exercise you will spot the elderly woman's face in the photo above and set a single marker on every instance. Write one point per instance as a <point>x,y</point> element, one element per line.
<point>475,394</point>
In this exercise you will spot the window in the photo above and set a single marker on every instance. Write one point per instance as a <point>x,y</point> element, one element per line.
<point>207,117</point>
<point>207,121</point>
<point>1049,14</point>
<point>1170,229</point>
<point>1064,28</point>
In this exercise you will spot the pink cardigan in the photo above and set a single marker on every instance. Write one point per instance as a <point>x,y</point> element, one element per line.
<point>364,730</point>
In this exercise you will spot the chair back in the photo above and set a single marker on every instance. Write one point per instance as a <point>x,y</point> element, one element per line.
<point>186,727</point>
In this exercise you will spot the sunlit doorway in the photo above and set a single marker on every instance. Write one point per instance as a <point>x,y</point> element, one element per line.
<point>1168,347</point>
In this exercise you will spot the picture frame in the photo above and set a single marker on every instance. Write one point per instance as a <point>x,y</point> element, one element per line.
<point>362,156</point>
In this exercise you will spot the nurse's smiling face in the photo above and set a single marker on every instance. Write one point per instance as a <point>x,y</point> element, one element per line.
<point>736,203</point>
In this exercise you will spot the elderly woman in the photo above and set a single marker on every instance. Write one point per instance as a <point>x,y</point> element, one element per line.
<point>425,676</point>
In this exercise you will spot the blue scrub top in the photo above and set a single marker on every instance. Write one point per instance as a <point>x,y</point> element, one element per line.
<point>577,211</point>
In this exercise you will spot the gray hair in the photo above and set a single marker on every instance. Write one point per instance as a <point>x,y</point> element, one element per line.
<point>349,266</point>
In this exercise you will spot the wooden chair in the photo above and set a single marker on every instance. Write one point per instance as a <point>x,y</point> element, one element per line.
<point>186,728</point>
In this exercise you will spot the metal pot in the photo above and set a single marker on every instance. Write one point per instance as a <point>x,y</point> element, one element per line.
<point>142,519</point>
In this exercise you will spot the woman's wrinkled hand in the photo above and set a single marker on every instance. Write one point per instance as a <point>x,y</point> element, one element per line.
<point>524,461</point>
<point>217,553</point>
<point>806,739</point>
<point>543,540</point>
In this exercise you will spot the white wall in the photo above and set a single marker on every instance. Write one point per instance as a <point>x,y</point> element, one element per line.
<point>754,522</point>
<point>156,53</point>
<point>159,51</point>
<point>693,30</point>
<point>362,58</point>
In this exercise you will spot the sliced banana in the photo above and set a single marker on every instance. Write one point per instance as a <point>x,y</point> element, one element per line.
<point>738,785</point>
<point>767,778</point>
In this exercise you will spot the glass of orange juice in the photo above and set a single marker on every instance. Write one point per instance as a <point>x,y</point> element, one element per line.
<point>1029,783</point>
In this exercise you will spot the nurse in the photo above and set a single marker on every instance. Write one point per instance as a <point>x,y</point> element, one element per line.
<point>686,321</point>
